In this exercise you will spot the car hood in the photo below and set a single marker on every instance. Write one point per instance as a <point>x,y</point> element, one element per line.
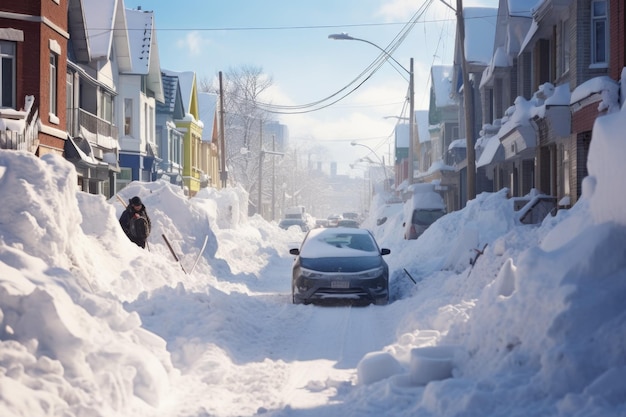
<point>350,264</point>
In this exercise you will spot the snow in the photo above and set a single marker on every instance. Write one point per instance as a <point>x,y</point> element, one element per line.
<point>441,78</point>
<point>99,22</point>
<point>140,38</point>
<point>92,325</point>
<point>480,29</point>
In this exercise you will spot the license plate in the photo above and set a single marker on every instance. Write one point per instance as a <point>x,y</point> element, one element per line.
<point>340,284</point>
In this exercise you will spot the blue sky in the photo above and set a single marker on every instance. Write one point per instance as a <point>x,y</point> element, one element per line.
<point>289,41</point>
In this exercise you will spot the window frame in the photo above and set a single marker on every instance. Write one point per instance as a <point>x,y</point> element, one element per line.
<point>9,56</point>
<point>596,21</point>
<point>54,72</point>
<point>564,51</point>
<point>128,116</point>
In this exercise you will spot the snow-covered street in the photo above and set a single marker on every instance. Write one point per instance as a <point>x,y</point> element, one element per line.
<point>93,325</point>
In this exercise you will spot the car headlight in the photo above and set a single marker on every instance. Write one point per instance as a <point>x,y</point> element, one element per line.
<point>370,273</point>
<point>310,273</point>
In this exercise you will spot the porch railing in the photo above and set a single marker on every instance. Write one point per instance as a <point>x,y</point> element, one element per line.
<point>24,135</point>
<point>96,130</point>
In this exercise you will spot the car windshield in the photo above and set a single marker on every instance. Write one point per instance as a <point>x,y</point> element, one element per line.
<point>426,216</point>
<point>290,222</point>
<point>338,243</point>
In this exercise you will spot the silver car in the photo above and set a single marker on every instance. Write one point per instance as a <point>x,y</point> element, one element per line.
<point>340,264</point>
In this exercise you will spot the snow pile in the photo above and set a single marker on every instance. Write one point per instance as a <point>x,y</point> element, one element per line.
<point>92,325</point>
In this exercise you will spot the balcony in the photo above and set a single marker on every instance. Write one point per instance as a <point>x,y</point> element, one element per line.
<point>97,131</point>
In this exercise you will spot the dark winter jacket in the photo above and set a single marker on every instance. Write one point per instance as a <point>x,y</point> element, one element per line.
<point>125,222</point>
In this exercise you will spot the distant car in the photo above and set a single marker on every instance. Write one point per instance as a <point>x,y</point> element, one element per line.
<point>351,215</point>
<point>333,219</point>
<point>347,223</point>
<point>321,223</point>
<point>340,264</point>
<point>287,223</point>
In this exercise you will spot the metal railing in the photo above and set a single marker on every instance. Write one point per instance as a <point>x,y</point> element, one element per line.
<point>103,133</point>
<point>27,139</point>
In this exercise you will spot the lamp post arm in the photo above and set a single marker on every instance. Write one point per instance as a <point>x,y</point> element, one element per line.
<point>382,163</point>
<point>346,37</point>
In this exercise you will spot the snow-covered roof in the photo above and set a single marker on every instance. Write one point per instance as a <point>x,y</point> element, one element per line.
<point>140,37</point>
<point>514,20</point>
<point>99,21</point>
<point>441,78</point>
<point>500,59</point>
<point>491,146</point>
<point>402,135</point>
<point>187,81</point>
<point>458,143</point>
<point>144,49</point>
<point>173,101</point>
<point>604,85</point>
<point>480,28</point>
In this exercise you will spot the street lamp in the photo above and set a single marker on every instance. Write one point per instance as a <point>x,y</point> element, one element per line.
<point>382,163</point>
<point>346,37</point>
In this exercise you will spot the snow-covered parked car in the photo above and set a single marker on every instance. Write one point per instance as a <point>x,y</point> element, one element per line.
<point>340,263</point>
<point>421,210</point>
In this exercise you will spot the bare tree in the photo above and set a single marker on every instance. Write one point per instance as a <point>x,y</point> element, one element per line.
<point>243,122</point>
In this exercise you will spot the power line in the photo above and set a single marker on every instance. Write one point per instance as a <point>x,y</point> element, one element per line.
<point>368,72</point>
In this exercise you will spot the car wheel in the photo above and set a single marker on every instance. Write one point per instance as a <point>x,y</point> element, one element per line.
<point>295,300</point>
<point>382,301</point>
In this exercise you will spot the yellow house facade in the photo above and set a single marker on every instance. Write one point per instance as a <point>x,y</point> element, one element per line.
<point>192,128</point>
<point>209,150</point>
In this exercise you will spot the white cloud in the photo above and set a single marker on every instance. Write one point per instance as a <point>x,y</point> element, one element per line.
<point>193,42</point>
<point>397,9</point>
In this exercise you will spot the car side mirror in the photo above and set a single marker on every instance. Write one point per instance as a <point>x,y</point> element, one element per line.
<point>385,251</point>
<point>294,251</point>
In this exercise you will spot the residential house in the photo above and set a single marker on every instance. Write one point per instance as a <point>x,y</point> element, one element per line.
<point>480,26</point>
<point>441,150</point>
<point>209,147</point>
<point>596,65</point>
<point>505,150</point>
<point>170,140</point>
<point>401,145</point>
<point>564,75</point>
<point>192,128</point>
<point>33,55</point>
<point>140,88</point>
<point>98,50</point>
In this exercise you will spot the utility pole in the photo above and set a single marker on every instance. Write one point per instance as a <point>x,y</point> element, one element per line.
<point>223,172</point>
<point>273,179</point>
<point>467,103</point>
<point>411,122</point>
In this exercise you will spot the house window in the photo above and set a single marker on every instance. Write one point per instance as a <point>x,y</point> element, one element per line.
<point>565,165</point>
<point>54,61</point>
<point>145,122</point>
<point>124,177</point>
<point>128,116</point>
<point>7,74</point>
<point>69,96</point>
<point>106,106</point>
<point>151,125</point>
<point>599,32</point>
